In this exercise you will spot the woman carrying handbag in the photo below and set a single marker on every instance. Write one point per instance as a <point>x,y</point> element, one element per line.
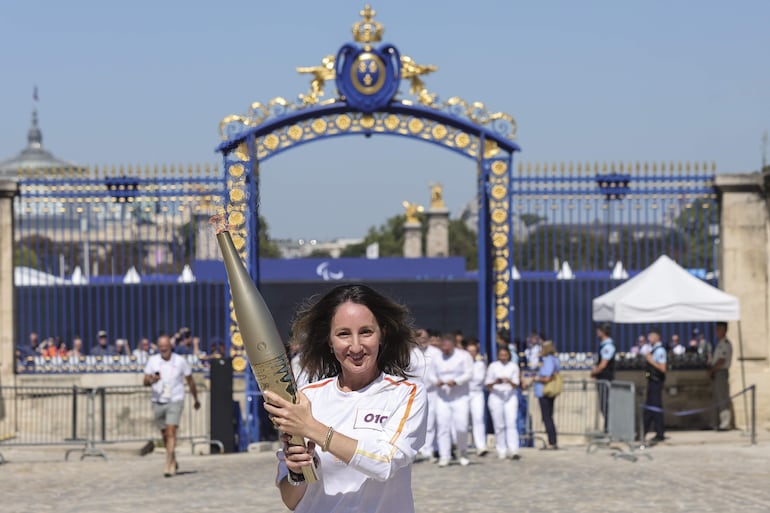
<point>547,387</point>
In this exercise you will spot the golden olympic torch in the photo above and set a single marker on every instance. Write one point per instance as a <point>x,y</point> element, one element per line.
<point>264,348</point>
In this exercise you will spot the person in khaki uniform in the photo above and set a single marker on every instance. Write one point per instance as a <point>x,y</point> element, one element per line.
<point>719,374</point>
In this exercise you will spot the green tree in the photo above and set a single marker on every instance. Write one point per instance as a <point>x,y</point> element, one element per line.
<point>694,225</point>
<point>463,242</point>
<point>267,248</point>
<point>25,257</point>
<point>390,236</point>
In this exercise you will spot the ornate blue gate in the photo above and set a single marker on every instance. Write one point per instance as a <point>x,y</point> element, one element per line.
<point>366,102</point>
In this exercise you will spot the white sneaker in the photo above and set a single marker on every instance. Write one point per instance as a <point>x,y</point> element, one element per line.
<point>464,461</point>
<point>481,452</point>
<point>501,456</point>
<point>442,462</point>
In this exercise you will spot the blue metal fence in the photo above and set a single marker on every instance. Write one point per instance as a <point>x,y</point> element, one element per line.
<point>113,249</point>
<point>582,229</point>
<point>85,237</point>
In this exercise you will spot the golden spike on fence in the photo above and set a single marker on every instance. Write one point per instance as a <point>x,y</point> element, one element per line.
<point>620,166</point>
<point>596,167</point>
<point>521,168</point>
<point>171,170</point>
<point>713,167</point>
<point>612,167</point>
<point>705,167</point>
<point>163,171</point>
<point>679,167</point>
<point>579,167</point>
<point>697,167</point>
<point>529,168</point>
<point>198,169</point>
<point>604,167</point>
<point>570,168</point>
<point>537,168</point>
<point>207,168</point>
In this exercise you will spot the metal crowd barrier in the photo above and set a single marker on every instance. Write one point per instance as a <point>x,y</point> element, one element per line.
<point>576,410</point>
<point>88,417</point>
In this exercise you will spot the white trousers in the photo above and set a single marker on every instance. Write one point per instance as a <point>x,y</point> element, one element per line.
<point>504,411</point>
<point>430,433</point>
<point>478,428</point>
<point>452,416</point>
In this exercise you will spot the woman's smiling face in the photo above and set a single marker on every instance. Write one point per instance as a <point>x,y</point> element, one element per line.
<point>355,339</point>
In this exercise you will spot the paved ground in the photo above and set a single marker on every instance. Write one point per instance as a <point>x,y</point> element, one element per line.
<point>692,471</point>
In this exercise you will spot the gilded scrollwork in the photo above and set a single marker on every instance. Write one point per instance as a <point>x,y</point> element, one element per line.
<point>365,32</point>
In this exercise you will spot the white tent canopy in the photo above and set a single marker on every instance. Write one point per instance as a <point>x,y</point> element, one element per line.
<point>665,292</point>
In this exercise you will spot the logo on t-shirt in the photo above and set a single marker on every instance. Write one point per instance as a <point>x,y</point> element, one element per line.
<point>370,419</point>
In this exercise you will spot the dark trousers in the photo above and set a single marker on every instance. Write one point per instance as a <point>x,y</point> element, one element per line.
<point>546,408</point>
<point>654,399</point>
<point>603,391</point>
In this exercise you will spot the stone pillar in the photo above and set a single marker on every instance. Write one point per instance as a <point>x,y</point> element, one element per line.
<point>437,243</point>
<point>744,271</point>
<point>412,239</point>
<point>8,190</point>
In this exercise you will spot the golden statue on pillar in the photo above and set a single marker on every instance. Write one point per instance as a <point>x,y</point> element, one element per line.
<point>412,209</point>
<point>436,196</point>
<point>320,74</point>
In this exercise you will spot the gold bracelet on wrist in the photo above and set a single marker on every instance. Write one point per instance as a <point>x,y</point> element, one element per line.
<point>327,441</point>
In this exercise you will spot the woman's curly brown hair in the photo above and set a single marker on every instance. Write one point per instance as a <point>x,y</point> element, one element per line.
<point>312,328</point>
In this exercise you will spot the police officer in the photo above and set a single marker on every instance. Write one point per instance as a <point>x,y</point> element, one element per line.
<point>604,370</point>
<point>718,373</point>
<point>655,371</point>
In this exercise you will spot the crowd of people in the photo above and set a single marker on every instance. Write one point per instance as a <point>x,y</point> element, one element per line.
<point>657,355</point>
<point>56,351</point>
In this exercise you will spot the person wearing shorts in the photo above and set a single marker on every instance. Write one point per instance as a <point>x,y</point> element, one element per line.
<point>166,372</point>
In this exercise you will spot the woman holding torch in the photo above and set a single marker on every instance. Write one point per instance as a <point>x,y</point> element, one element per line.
<point>363,417</point>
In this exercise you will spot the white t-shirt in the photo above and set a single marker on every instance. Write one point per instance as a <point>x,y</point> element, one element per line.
<point>170,388</point>
<point>419,364</point>
<point>497,370</point>
<point>388,418</point>
<point>458,367</point>
<point>476,384</point>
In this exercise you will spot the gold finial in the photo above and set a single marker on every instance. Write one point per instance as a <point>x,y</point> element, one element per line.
<point>368,30</point>
<point>411,211</point>
<point>436,195</point>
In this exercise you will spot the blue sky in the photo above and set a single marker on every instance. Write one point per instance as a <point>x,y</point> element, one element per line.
<point>147,82</point>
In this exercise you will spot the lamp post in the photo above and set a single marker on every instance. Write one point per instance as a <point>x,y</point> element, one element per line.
<point>613,186</point>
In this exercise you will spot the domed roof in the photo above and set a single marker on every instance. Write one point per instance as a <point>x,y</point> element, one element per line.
<point>34,159</point>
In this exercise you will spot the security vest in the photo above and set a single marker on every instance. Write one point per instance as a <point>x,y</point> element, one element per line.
<point>651,372</point>
<point>609,371</point>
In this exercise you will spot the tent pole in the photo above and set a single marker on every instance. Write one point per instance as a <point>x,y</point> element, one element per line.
<point>743,375</point>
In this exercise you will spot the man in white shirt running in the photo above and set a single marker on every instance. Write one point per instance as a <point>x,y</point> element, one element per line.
<point>166,372</point>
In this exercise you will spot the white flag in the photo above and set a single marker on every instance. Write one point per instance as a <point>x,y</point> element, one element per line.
<point>373,250</point>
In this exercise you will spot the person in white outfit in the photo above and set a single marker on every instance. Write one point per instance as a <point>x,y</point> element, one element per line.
<point>477,401</point>
<point>502,380</point>
<point>419,367</point>
<point>451,374</point>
